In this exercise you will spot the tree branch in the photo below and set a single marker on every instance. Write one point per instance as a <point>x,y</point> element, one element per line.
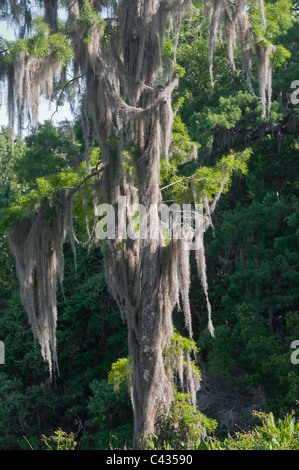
<point>182,179</point>
<point>61,93</point>
<point>75,189</point>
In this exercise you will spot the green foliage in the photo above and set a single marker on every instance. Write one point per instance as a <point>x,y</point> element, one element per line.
<point>230,112</point>
<point>36,168</point>
<point>258,246</point>
<point>184,426</point>
<point>195,86</point>
<point>10,153</point>
<point>279,17</point>
<point>185,180</point>
<point>60,440</point>
<point>30,203</point>
<point>283,435</point>
<point>90,21</point>
<point>271,435</point>
<point>48,151</point>
<point>252,255</point>
<point>7,267</point>
<point>211,113</point>
<point>119,373</point>
<point>208,180</point>
<point>180,346</point>
<point>46,190</point>
<point>89,334</point>
<point>14,411</point>
<point>41,44</point>
<point>182,151</point>
<point>110,415</point>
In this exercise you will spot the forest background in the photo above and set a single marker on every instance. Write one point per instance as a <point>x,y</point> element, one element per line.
<point>252,261</point>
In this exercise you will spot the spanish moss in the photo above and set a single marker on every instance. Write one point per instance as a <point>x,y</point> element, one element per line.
<point>129,89</point>
<point>37,244</point>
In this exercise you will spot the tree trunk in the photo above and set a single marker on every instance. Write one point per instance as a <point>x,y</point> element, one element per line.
<point>152,389</point>
<point>140,270</point>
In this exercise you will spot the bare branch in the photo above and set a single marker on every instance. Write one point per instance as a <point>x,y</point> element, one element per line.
<point>75,189</point>
<point>62,91</point>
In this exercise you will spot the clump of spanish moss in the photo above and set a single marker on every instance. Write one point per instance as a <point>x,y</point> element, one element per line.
<point>31,76</point>
<point>232,19</point>
<point>37,244</point>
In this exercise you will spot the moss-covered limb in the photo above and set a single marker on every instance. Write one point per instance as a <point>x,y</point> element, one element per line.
<point>36,243</point>
<point>32,65</point>
<point>38,225</point>
<point>48,193</point>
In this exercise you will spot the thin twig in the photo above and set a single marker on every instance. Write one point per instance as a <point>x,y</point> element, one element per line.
<point>182,179</point>
<point>61,93</point>
<point>75,189</point>
<point>28,442</point>
<point>169,185</point>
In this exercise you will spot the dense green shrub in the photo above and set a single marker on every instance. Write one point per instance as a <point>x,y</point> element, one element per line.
<point>184,426</point>
<point>111,417</point>
<point>270,435</point>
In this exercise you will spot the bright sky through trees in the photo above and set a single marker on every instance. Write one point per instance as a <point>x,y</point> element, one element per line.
<point>47,111</point>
